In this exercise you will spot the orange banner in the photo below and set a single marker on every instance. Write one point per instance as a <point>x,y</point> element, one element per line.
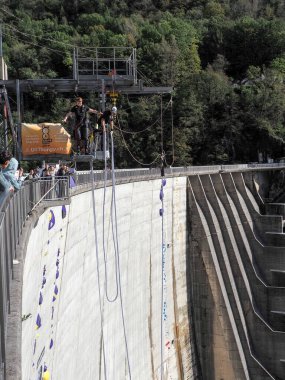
<point>45,139</point>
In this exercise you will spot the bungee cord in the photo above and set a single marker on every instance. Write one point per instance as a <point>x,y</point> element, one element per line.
<point>162,290</point>
<point>115,241</point>
<point>161,196</point>
<point>109,299</point>
<point>97,262</point>
<point>163,305</point>
<point>118,254</point>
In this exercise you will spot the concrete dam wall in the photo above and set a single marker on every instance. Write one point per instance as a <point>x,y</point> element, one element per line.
<point>90,317</point>
<point>237,257</point>
<point>182,281</point>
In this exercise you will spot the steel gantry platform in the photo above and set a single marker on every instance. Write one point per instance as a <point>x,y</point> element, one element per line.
<point>109,71</point>
<point>105,69</point>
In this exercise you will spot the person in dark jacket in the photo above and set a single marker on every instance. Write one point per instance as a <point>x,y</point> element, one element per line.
<point>80,112</point>
<point>105,123</point>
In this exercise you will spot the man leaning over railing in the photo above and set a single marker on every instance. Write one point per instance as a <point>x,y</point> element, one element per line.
<point>8,181</point>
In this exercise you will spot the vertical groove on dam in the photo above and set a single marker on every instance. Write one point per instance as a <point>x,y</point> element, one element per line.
<point>233,240</point>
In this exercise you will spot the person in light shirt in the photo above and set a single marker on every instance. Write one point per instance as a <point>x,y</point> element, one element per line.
<point>8,181</point>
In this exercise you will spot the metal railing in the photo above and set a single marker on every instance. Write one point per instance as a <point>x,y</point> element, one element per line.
<point>125,175</point>
<point>13,215</point>
<point>106,62</point>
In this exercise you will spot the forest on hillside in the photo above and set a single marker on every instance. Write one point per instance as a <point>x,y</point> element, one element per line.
<point>224,58</point>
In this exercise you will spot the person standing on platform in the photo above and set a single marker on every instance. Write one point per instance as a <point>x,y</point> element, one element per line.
<point>80,112</point>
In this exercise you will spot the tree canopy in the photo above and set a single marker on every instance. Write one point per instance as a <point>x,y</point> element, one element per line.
<point>224,58</point>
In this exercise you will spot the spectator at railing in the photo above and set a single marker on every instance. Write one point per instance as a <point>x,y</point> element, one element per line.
<point>5,186</point>
<point>9,167</point>
<point>42,173</point>
<point>61,186</point>
<point>37,172</point>
<point>46,184</point>
<point>20,175</point>
<point>8,182</point>
<point>52,170</point>
<point>71,172</point>
<point>65,170</point>
<point>31,174</point>
<point>62,170</point>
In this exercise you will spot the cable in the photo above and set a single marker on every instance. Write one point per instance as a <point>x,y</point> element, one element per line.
<point>149,100</point>
<point>147,80</point>
<point>163,305</point>
<point>172,135</point>
<point>118,257</point>
<point>139,162</point>
<point>97,262</point>
<point>147,128</point>
<point>163,159</point>
<point>30,35</point>
<point>109,299</point>
<point>137,132</point>
<point>162,292</point>
<point>162,155</point>
<point>163,275</point>
<point>59,52</point>
<point>172,131</point>
<point>161,125</point>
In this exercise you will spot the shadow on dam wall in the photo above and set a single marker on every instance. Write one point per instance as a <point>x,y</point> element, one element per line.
<point>235,278</point>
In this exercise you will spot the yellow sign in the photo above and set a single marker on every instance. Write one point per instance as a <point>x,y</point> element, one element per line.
<point>113,94</point>
<point>45,139</point>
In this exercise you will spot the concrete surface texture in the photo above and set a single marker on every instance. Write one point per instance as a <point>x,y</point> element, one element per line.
<point>230,260</point>
<point>106,297</point>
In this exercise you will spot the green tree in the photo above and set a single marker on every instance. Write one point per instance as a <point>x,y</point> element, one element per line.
<point>253,43</point>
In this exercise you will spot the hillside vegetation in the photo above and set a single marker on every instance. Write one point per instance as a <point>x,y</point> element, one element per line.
<point>224,58</point>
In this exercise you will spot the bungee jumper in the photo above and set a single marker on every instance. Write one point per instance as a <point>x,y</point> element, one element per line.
<point>105,124</point>
<point>99,140</point>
